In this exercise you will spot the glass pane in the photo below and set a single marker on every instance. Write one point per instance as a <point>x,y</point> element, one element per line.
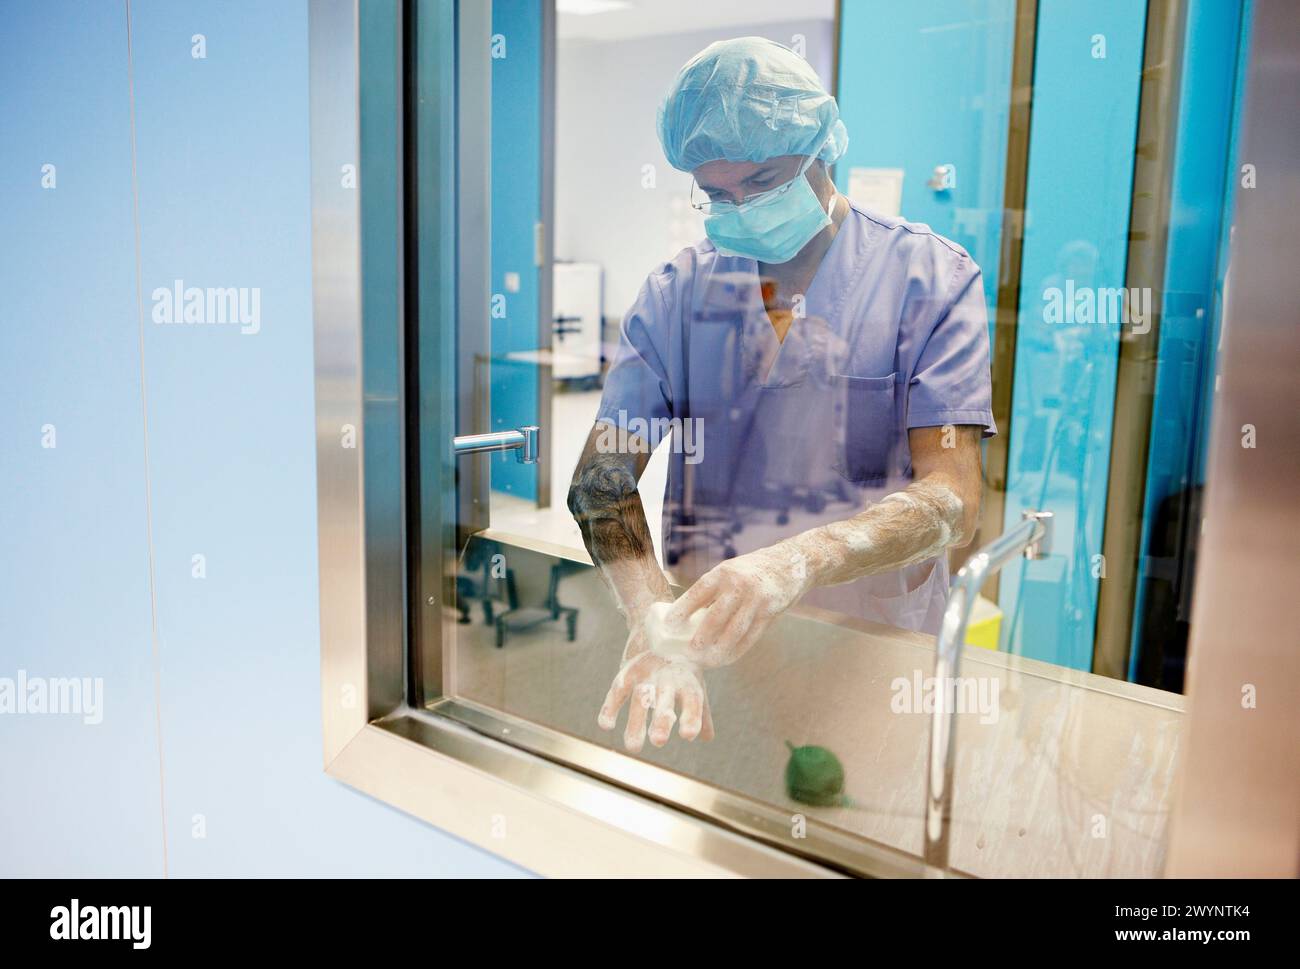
<point>806,318</point>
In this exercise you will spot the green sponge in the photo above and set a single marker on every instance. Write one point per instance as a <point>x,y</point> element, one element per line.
<point>814,776</point>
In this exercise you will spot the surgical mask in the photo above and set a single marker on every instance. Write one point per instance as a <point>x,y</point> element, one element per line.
<point>772,226</point>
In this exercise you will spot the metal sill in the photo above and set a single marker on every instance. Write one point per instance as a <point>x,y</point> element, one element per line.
<point>688,814</point>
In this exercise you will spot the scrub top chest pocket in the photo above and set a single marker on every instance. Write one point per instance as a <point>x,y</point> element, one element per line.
<point>866,427</point>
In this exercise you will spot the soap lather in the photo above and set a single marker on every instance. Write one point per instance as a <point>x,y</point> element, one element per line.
<point>813,774</point>
<point>670,639</point>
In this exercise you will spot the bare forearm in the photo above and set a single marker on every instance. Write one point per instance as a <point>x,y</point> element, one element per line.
<point>624,555</point>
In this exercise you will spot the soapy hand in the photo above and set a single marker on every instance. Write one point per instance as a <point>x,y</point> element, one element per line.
<point>662,683</point>
<point>733,603</point>
<point>741,596</point>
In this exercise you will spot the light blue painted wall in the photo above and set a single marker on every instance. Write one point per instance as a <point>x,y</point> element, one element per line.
<point>74,593</point>
<point>1082,138</point>
<point>928,83</point>
<point>224,201</point>
<point>516,209</point>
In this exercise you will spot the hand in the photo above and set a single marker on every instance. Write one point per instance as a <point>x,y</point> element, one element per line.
<point>652,681</point>
<point>741,597</point>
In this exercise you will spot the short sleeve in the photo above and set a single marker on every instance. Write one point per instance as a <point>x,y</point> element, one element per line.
<point>951,383</point>
<point>637,388</point>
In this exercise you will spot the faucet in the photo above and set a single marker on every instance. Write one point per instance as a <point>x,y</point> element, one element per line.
<point>1032,537</point>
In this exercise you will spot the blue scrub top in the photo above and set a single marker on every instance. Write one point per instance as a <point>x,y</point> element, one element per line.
<point>769,438</point>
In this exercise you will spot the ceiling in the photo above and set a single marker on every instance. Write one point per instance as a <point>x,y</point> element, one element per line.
<point>642,18</point>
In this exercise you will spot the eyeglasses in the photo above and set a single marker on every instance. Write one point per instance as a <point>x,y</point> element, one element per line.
<point>706,204</point>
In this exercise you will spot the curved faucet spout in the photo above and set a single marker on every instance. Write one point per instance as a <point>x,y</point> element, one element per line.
<point>1032,538</point>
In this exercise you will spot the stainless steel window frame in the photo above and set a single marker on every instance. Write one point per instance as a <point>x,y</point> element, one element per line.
<point>546,801</point>
<point>560,806</point>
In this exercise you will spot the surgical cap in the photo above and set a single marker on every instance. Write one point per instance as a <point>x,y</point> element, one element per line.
<point>748,99</point>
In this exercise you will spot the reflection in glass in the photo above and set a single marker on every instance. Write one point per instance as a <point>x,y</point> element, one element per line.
<point>772,415</point>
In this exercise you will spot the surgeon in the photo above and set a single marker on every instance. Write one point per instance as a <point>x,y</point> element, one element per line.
<point>829,369</point>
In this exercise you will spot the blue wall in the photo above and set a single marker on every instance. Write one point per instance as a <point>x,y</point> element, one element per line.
<point>223,201</point>
<point>74,592</point>
<point>1196,260</point>
<point>926,83</point>
<point>1082,139</point>
<point>516,209</point>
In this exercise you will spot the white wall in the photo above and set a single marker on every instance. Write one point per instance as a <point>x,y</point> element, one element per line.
<point>607,96</point>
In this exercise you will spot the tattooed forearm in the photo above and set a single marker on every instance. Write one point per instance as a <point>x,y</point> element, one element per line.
<point>604,500</point>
